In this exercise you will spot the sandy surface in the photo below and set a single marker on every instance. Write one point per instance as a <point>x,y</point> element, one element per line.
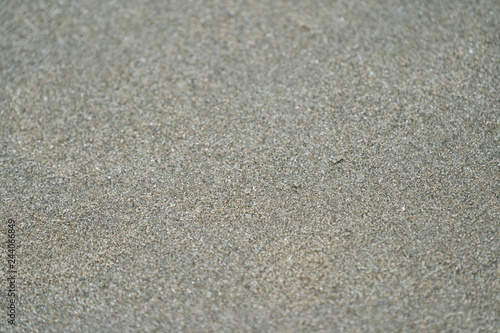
<point>288,166</point>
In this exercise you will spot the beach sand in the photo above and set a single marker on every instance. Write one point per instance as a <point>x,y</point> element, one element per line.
<point>265,166</point>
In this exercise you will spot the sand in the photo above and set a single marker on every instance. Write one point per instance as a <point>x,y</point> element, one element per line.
<point>263,166</point>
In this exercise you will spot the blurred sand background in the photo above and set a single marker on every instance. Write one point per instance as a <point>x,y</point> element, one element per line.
<point>259,166</point>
